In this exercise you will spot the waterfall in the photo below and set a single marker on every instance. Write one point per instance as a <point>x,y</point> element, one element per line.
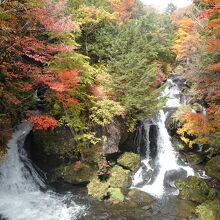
<point>157,175</point>
<point>21,194</point>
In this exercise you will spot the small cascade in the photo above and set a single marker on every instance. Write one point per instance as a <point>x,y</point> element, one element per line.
<point>21,195</point>
<point>159,172</point>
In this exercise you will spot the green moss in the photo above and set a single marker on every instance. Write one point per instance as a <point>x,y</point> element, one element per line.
<point>83,175</point>
<point>209,210</point>
<point>194,158</point>
<point>71,175</point>
<point>213,167</point>
<point>119,177</point>
<point>98,189</point>
<point>116,195</point>
<point>184,209</point>
<point>129,160</point>
<point>194,189</point>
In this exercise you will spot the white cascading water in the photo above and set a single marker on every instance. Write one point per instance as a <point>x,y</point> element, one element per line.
<point>167,158</point>
<point>21,197</point>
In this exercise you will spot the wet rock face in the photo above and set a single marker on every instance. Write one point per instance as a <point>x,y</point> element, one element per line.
<point>146,138</point>
<point>172,175</point>
<point>153,135</point>
<point>129,160</point>
<point>213,167</point>
<point>194,189</point>
<point>140,139</point>
<point>209,210</point>
<point>50,149</point>
<point>113,133</point>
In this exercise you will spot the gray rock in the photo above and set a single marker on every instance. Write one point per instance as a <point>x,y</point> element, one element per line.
<point>172,175</point>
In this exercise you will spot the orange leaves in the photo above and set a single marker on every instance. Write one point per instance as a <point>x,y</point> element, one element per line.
<point>187,39</point>
<point>195,125</point>
<point>214,66</point>
<point>212,15</point>
<point>123,8</point>
<point>42,122</point>
<point>69,77</point>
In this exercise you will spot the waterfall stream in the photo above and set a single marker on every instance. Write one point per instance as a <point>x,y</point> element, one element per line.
<point>23,193</point>
<point>160,170</point>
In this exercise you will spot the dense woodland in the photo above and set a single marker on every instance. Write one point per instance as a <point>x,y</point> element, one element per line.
<point>81,63</point>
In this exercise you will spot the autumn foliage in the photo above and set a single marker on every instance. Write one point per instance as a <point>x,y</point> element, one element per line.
<point>203,29</point>
<point>197,126</point>
<point>32,35</point>
<point>123,8</point>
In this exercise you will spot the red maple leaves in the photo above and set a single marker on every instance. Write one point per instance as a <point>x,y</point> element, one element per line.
<point>41,122</point>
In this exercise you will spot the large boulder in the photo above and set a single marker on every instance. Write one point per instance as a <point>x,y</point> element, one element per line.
<point>213,167</point>
<point>119,177</point>
<point>98,189</point>
<point>172,175</point>
<point>194,189</point>
<point>112,188</point>
<point>209,210</point>
<point>129,160</point>
<point>52,148</point>
<point>139,198</point>
<point>76,173</point>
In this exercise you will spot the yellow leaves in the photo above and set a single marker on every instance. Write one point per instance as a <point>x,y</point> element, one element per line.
<point>104,111</point>
<point>92,15</point>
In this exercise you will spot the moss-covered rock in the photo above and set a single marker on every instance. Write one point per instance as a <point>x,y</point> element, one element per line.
<point>119,177</point>
<point>194,189</point>
<point>139,198</point>
<point>184,209</point>
<point>129,160</point>
<point>79,174</point>
<point>209,210</point>
<point>98,189</point>
<point>116,195</point>
<point>76,173</point>
<point>213,167</point>
<point>194,158</point>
